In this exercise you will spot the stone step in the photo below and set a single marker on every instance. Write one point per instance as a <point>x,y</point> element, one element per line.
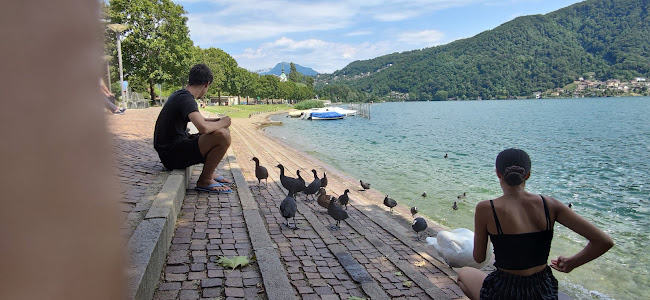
<point>210,226</point>
<point>362,216</point>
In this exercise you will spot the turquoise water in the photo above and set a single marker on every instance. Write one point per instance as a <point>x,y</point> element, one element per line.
<point>593,153</point>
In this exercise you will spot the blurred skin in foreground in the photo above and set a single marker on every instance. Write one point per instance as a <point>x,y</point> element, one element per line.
<point>59,222</point>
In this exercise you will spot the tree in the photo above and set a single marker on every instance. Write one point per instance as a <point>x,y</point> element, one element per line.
<point>440,95</point>
<point>245,82</point>
<point>604,38</point>
<point>285,90</point>
<point>269,86</point>
<point>294,75</point>
<point>223,68</point>
<point>156,43</point>
<point>309,81</point>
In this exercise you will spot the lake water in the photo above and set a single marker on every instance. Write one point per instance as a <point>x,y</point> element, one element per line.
<point>594,153</point>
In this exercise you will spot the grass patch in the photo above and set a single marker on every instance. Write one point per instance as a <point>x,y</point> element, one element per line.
<point>308,104</point>
<point>243,111</point>
<point>570,86</point>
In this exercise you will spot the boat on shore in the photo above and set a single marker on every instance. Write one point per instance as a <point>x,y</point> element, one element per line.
<point>297,113</point>
<point>347,112</point>
<point>328,115</point>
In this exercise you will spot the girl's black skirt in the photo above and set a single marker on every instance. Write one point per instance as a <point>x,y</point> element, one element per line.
<point>502,285</point>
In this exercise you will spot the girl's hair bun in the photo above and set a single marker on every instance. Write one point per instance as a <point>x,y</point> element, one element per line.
<point>514,175</point>
<point>513,165</point>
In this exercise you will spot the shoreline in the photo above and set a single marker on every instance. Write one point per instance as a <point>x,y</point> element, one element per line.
<point>261,121</point>
<point>401,211</point>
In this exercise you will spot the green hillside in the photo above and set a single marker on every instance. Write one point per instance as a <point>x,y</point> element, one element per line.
<point>608,38</point>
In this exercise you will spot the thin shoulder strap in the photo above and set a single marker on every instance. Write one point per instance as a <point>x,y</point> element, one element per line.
<point>548,217</point>
<point>496,220</point>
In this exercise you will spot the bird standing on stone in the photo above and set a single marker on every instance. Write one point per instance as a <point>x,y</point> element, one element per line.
<point>323,199</point>
<point>313,187</point>
<point>364,185</point>
<point>390,203</point>
<point>323,181</point>
<point>419,225</point>
<point>288,208</point>
<point>344,199</point>
<point>287,182</point>
<point>260,173</point>
<point>414,211</point>
<point>337,213</point>
<point>424,194</point>
<point>455,206</point>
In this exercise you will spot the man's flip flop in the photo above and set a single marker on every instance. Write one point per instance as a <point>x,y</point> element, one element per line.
<point>220,178</point>
<point>210,190</point>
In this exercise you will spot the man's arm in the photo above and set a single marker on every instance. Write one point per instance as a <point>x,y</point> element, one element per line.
<point>204,126</point>
<point>104,89</point>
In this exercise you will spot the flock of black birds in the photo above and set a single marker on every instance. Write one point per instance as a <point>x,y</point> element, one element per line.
<point>335,206</point>
<point>315,190</point>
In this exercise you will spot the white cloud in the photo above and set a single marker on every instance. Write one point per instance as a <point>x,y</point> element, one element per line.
<point>395,16</point>
<point>284,30</point>
<point>322,56</point>
<point>358,33</point>
<point>236,21</point>
<point>229,21</point>
<point>425,38</point>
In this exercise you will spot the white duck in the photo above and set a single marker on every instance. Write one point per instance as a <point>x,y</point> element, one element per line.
<point>457,246</point>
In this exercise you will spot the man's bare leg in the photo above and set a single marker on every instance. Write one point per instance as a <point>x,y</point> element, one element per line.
<point>213,147</point>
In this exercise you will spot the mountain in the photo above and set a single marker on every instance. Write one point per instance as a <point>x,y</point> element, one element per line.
<point>601,39</point>
<point>277,70</point>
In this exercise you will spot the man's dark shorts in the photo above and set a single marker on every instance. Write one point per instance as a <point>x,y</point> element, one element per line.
<point>182,154</point>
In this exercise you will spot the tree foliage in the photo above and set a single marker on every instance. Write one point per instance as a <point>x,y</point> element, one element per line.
<point>156,45</point>
<point>157,49</point>
<point>294,75</point>
<point>521,57</point>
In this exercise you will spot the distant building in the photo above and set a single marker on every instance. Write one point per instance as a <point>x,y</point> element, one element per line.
<point>613,83</point>
<point>639,79</point>
<point>283,77</point>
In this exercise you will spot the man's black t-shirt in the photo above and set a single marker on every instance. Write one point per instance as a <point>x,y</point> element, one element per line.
<point>171,126</point>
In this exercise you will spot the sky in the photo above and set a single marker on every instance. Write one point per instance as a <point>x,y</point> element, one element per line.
<point>328,35</point>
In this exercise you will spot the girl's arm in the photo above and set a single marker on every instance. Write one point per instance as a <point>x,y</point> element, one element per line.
<point>599,241</point>
<point>480,231</point>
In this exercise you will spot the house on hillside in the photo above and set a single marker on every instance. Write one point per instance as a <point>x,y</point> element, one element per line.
<point>612,83</point>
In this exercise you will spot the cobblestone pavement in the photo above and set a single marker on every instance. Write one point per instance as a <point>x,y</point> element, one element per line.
<point>137,167</point>
<point>209,226</point>
<point>381,243</point>
<point>374,255</point>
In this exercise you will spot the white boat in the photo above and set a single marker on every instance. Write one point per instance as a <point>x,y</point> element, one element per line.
<point>347,112</point>
<point>297,113</point>
<point>327,115</point>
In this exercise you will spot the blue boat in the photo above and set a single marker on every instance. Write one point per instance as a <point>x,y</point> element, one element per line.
<point>329,115</point>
